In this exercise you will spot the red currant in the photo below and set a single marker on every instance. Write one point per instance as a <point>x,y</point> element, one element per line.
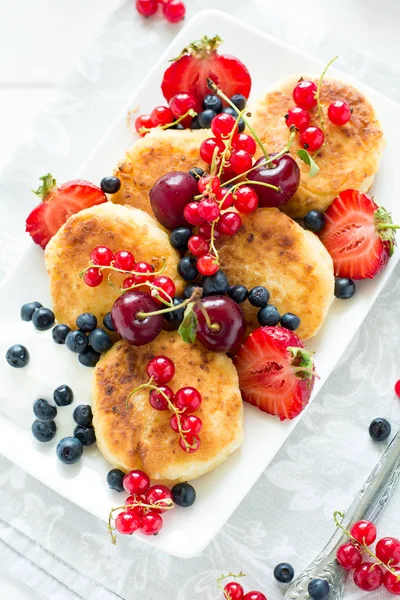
<point>198,246</point>
<point>151,523</point>
<point>222,125</point>
<point>397,388</point>
<point>254,596</point>
<point>147,8</point>
<point>208,210</point>
<point>210,183</point>
<point>298,117</point>
<point>181,103</point>
<point>191,214</point>
<point>158,494</point>
<point>143,121</point>
<point>234,591</point>
<point>339,112</point>
<point>364,532</point>
<point>304,94</point>
<point>174,11</point>
<point>93,277</point>
<point>391,582</point>
<point>312,138</point>
<point>158,401</point>
<point>368,576</point>
<point>348,556</point>
<point>128,282</point>
<point>145,268</point>
<point>191,424</point>
<point>126,523</point>
<point>137,512</point>
<point>188,399</point>
<point>230,223</point>
<point>246,199</point>
<point>101,255</point>
<point>173,423</point>
<point>161,115</point>
<point>193,442</point>
<point>388,548</point>
<point>205,231</point>
<point>136,482</point>
<point>206,265</point>
<point>241,161</point>
<point>208,147</point>
<point>225,195</point>
<point>167,285</point>
<point>245,142</point>
<point>133,500</point>
<point>161,369</point>
<point>124,260</point>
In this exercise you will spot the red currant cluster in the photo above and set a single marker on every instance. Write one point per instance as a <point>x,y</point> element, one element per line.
<point>180,111</point>
<point>369,575</point>
<point>234,591</point>
<point>173,10</point>
<point>161,370</point>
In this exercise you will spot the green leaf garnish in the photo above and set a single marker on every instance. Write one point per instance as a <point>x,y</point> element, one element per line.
<point>188,328</point>
<point>305,157</point>
<point>48,184</point>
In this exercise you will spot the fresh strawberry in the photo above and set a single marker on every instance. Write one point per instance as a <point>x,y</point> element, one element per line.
<point>189,71</point>
<point>276,373</point>
<point>59,203</point>
<point>358,234</point>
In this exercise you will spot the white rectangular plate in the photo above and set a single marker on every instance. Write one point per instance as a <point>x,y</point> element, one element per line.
<point>186,531</point>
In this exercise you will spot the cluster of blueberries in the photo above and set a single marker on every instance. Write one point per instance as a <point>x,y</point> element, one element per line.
<point>318,588</point>
<point>212,106</point>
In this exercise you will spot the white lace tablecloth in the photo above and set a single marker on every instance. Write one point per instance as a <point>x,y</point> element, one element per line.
<point>64,553</point>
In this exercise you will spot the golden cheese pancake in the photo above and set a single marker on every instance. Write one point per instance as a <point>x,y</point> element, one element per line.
<point>274,251</point>
<point>119,228</point>
<point>151,157</point>
<point>350,155</point>
<point>138,436</point>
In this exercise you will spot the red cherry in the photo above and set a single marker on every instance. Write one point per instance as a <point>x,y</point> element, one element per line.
<point>145,268</point>
<point>174,11</point>
<point>246,199</point>
<point>397,388</point>
<point>191,424</point>
<point>339,112</point>
<point>147,8</point>
<point>298,117</point>
<point>188,399</point>
<point>208,147</point>
<point>136,482</point>
<point>254,596</point>
<point>245,142</point>
<point>126,523</point>
<point>364,532</point>
<point>143,121</point>
<point>234,591</point>
<point>124,260</point>
<point>101,255</point>
<point>225,195</point>
<point>193,442</point>
<point>241,161</point>
<point>151,523</point>
<point>392,582</point>
<point>304,94</point>
<point>209,183</point>
<point>128,282</point>
<point>348,556</point>
<point>208,210</point>
<point>158,494</point>
<point>205,231</point>
<point>198,246</point>
<point>161,369</point>
<point>312,138</point>
<point>167,285</point>
<point>206,265</point>
<point>230,223</point>
<point>388,548</point>
<point>222,125</point>
<point>161,115</point>
<point>191,214</point>
<point>93,277</point>
<point>368,576</point>
<point>181,103</point>
<point>158,401</point>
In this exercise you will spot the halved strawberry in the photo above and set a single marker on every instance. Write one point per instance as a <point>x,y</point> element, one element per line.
<point>276,373</point>
<point>358,234</point>
<point>200,60</point>
<point>58,204</point>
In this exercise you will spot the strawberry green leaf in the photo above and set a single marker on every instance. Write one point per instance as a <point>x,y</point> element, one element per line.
<point>48,184</point>
<point>305,157</point>
<point>385,227</point>
<point>200,48</point>
<point>302,362</point>
<point>188,328</point>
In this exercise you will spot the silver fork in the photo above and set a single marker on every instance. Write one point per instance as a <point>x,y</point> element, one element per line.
<point>368,504</point>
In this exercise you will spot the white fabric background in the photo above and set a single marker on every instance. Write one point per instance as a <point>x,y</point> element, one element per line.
<point>62,552</point>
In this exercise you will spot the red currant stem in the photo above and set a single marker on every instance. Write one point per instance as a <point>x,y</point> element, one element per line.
<point>163,503</point>
<point>214,161</point>
<point>227,595</point>
<point>138,285</point>
<point>364,547</point>
<point>116,270</point>
<point>318,94</point>
<point>213,249</point>
<point>228,145</point>
<point>196,295</point>
<point>189,113</point>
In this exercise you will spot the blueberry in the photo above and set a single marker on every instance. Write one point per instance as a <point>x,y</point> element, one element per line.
<point>215,284</point>
<point>179,126</point>
<point>69,450</point>
<point>17,356</point>
<point>28,309</point>
<point>89,357</point>
<point>268,315</point>
<point>43,410</point>
<point>44,431</point>
<point>380,429</point>
<point>174,319</point>
<point>319,589</point>
<point>114,480</point>
<point>86,322</point>
<point>206,117</point>
<point>212,101</point>
<point>60,332</point>
<point>290,321</point>
<point>230,111</point>
<point>195,123</point>
<point>82,415</point>
<point>239,101</point>
<point>179,238</point>
<point>188,291</point>
<point>259,296</point>
<point>314,220</point>
<point>183,494</point>
<point>43,318</point>
<point>110,185</point>
<point>344,288</point>
<point>85,435</point>
<point>99,340</point>
<point>187,268</point>
<point>238,293</point>
<point>284,572</point>
<point>76,341</point>
<point>63,395</point>
<point>108,323</point>
<point>196,172</point>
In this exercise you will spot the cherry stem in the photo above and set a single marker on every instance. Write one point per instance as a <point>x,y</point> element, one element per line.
<point>196,295</point>
<point>318,94</point>
<point>268,185</point>
<point>163,503</point>
<point>211,326</point>
<point>364,546</point>
<point>189,113</point>
<point>227,595</point>
<point>159,290</point>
